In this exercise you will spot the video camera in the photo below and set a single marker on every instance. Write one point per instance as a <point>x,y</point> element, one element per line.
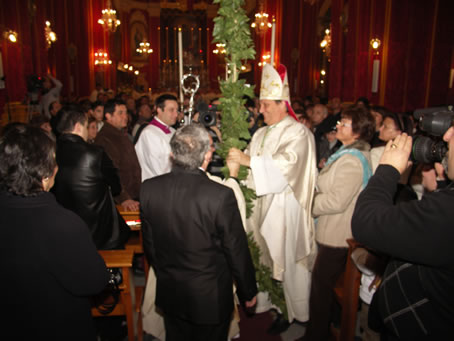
<point>35,83</point>
<point>434,122</point>
<point>207,114</point>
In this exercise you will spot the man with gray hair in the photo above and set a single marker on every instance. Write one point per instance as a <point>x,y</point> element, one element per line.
<point>195,242</point>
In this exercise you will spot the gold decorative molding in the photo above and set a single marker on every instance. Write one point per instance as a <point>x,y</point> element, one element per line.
<point>153,8</point>
<point>181,5</point>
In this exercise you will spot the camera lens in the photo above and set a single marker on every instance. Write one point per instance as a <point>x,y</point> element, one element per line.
<point>208,118</point>
<point>426,150</point>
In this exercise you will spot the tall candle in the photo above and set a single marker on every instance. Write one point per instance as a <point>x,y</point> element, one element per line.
<point>180,62</point>
<point>375,73</point>
<point>273,42</point>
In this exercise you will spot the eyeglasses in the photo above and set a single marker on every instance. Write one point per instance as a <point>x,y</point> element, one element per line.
<point>343,124</point>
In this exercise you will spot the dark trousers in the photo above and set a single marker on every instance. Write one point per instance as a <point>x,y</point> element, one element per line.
<point>181,330</point>
<point>329,265</point>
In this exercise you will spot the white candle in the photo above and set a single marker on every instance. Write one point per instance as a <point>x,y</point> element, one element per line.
<point>273,42</point>
<point>180,62</point>
<point>375,73</point>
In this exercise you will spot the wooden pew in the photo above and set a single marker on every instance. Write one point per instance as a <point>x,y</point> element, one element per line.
<point>123,259</point>
<point>135,242</point>
<point>346,294</point>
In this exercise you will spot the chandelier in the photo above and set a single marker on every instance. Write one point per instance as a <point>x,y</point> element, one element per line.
<point>220,48</point>
<point>109,18</point>
<point>144,47</point>
<point>50,35</point>
<point>128,68</point>
<point>261,23</point>
<point>102,58</point>
<point>266,58</point>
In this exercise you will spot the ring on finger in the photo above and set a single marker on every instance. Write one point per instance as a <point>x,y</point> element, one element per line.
<point>393,146</point>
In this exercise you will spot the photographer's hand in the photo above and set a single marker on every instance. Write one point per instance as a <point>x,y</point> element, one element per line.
<point>217,132</point>
<point>397,152</point>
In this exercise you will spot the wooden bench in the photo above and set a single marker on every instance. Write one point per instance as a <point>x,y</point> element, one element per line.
<point>135,242</point>
<point>123,259</point>
<point>346,294</point>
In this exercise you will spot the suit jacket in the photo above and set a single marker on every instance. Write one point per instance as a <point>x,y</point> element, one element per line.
<point>83,185</point>
<point>195,241</point>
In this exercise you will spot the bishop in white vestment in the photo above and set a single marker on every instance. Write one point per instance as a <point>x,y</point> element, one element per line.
<point>281,157</point>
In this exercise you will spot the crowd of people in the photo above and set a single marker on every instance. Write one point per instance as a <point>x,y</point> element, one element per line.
<point>322,171</point>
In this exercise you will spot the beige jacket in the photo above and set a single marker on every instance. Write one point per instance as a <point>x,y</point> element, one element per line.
<point>338,187</point>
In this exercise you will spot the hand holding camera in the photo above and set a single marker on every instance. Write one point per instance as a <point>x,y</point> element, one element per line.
<point>397,152</point>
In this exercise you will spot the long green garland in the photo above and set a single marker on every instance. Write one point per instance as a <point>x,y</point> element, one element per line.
<point>232,29</point>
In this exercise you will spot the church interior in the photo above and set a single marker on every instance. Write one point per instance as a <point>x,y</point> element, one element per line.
<point>398,54</point>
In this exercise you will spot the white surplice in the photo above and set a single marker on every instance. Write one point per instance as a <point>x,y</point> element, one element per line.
<point>153,151</point>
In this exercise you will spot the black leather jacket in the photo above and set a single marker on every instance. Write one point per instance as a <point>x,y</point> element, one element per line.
<point>85,182</point>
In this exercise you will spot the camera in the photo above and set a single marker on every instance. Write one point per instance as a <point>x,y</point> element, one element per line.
<point>434,122</point>
<point>207,114</point>
<point>34,83</point>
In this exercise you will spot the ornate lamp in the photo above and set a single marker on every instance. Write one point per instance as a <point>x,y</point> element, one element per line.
<point>109,18</point>
<point>10,35</point>
<point>102,58</point>
<point>220,49</point>
<point>261,23</point>
<point>375,44</point>
<point>144,47</point>
<point>325,44</point>
<point>50,35</point>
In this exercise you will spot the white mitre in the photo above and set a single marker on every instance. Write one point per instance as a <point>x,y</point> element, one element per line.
<point>273,86</point>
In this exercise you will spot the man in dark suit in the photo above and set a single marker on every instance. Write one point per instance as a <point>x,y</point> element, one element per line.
<point>195,241</point>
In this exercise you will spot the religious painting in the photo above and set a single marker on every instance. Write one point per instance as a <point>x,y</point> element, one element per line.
<point>138,33</point>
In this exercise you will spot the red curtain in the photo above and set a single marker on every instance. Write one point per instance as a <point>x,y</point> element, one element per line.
<point>443,57</point>
<point>416,55</point>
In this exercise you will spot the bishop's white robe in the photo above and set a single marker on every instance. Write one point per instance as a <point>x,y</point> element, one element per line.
<point>283,174</point>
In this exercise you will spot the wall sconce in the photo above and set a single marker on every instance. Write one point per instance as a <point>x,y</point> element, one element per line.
<point>325,44</point>
<point>102,58</point>
<point>10,35</point>
<point>50,35</point>
<point>375,44</point>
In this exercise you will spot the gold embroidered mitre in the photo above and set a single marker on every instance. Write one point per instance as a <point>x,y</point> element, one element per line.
<point>274,86</point>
